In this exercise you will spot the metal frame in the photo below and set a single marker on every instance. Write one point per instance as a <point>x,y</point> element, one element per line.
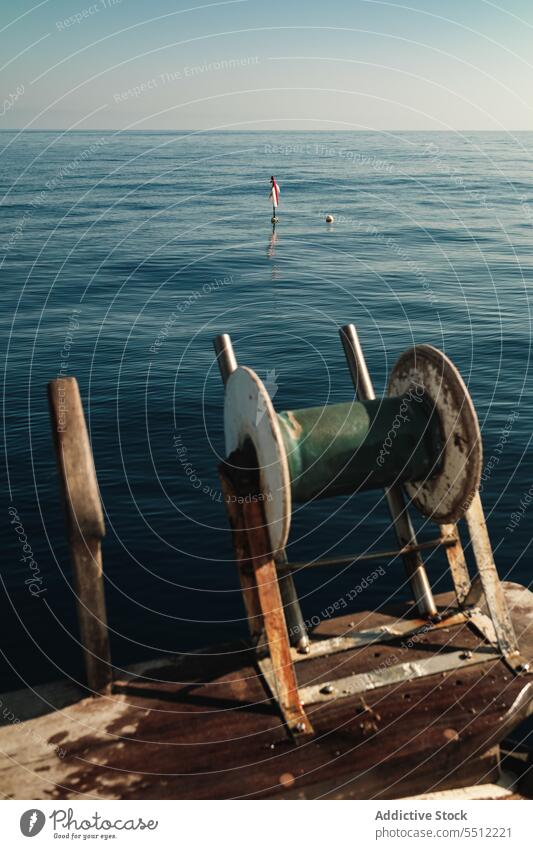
<point>274,612</point>
<point>227,363</point>
<point>403,528</point>
<point>488,579</point>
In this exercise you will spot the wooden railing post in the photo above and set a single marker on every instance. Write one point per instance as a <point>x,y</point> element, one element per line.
<point>85,525</point>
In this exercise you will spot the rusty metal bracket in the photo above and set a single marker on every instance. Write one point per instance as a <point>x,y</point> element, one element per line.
<point>292,711</point>
<point>277,666</point>
<point>265,608</point>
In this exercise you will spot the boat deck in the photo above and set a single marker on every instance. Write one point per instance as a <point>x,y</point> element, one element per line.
<point>202,726</point>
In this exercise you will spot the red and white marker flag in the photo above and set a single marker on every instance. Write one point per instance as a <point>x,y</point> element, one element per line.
<point>274,192</point>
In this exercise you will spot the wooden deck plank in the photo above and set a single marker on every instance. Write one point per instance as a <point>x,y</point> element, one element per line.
<point>204,727</point>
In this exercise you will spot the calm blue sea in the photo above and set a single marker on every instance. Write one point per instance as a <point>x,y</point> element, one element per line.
<point>130,251</point>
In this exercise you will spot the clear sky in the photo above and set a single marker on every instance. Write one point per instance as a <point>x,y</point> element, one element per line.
<point>267,64</point>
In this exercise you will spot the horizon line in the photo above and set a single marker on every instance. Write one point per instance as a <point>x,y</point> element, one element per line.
<point>200,130</point>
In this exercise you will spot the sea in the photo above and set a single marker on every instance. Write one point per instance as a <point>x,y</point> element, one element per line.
<point>122,255</point>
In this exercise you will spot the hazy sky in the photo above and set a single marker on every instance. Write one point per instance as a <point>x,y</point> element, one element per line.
<point>267,64</point>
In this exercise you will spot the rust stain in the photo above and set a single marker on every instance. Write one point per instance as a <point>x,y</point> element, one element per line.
<point>295,426</point>
<point>450,735</point>
<point>287,779</point>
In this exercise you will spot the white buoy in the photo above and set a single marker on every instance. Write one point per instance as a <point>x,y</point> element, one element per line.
<point>329,219</point>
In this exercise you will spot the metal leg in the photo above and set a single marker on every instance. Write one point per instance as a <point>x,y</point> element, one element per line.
<point>277,667</point>
<point>492,588</point>
<point>227,363</point>
<point>457,562</point>
<point>242,556</point>
<point>298,636</point>
<point>403,528</point>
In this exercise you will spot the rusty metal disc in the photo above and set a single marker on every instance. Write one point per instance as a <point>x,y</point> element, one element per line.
<point>446,495</point>
<point>250,415</point>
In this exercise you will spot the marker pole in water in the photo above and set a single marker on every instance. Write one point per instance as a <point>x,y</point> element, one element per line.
<point>274,194</point>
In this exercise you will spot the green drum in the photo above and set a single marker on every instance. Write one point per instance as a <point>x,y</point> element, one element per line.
<point>344,448</point>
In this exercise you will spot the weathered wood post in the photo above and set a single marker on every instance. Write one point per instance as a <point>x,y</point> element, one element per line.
<point>85,525</point>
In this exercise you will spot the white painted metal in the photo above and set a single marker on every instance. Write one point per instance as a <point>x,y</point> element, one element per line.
<point>249,414</point>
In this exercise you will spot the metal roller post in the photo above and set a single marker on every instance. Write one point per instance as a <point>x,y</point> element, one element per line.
<point>405,534</point>
<point>227,363</point>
